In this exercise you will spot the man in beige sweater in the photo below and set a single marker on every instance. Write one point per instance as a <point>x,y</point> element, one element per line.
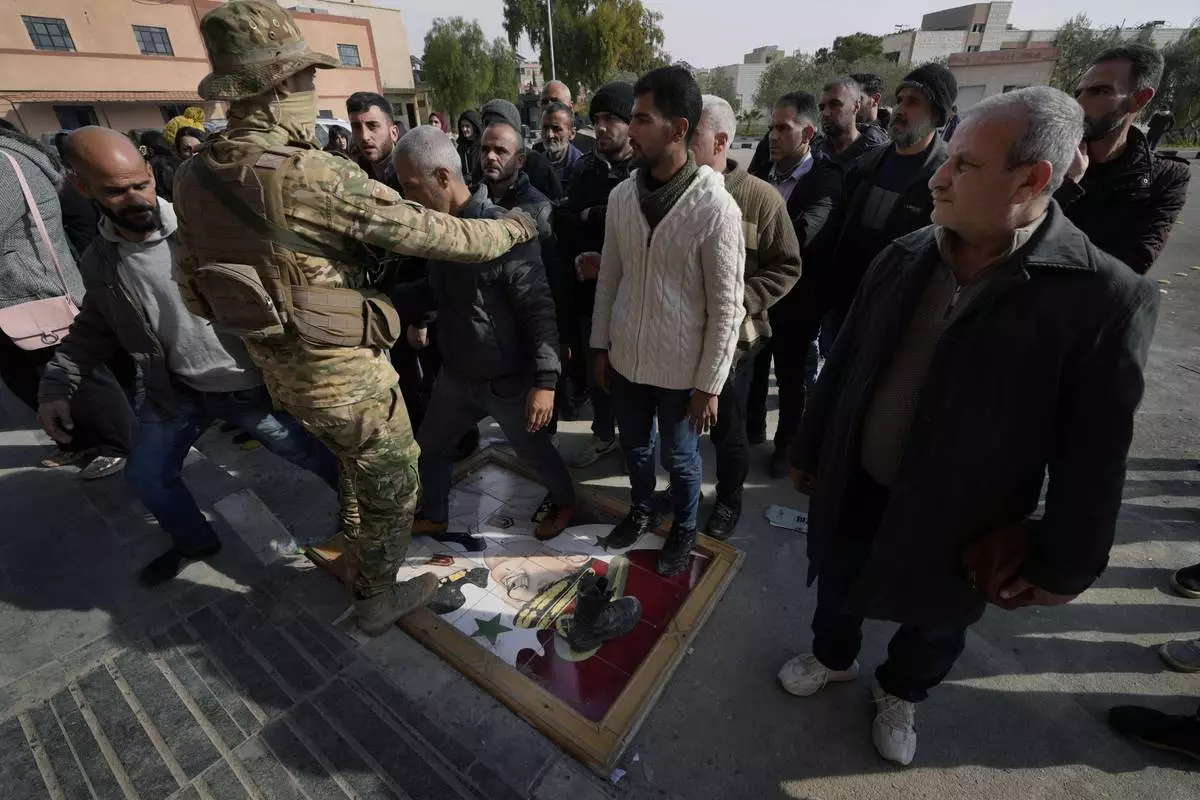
<point>772,269</point>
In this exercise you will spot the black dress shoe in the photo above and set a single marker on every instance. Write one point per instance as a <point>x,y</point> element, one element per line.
<point>1186,582</point>
<point>1164,731</point>
<point>723,521</point>
<point>677,551</point>
<point>637,523</point>
<point>169,564</point>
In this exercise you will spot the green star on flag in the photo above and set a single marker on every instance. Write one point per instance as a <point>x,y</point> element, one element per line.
<point>490,628</point>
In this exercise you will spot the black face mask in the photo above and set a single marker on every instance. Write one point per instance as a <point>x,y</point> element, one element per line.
<point>123,219</point>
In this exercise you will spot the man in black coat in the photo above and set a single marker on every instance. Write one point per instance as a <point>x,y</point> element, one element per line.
<point>810,183</point>
<point>886,192</point>
<point>499,342</point>
<point>982,353</point>
<point>1121,194</point>
<point>537,166</point>
<point>579,225</point>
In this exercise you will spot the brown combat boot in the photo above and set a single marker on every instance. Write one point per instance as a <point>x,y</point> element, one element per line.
<point>425,527</point>
<point>378,613</point>
<point>554,519</point>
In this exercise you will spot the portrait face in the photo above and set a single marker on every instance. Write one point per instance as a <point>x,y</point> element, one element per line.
<point>789,135</point>
<point>912,119</point>
<point>1105,93</point>
<point>188,145</point>
<point>374,134</point>
<point>524,578</point>
<point>558,130</point>
<point>500,154</point>
<point>612,133</point>
<point>839,108</point>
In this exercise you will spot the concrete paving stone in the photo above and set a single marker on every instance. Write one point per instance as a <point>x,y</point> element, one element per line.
<point>297,630</point>
<point>492,786</point>
<point>393,700</point>
<point>291,665</point>
<point>205,700</point>
<point>249,676</point>
<point>137,753</point>
<point>24,647</point>
<point>62,760</point>
<point>267,773</point>
<point>207,673</point>
<point>566,779</point>
<point>409,665</point>
<point>207,481</point>
<point>189,793</point>
<point>223,783</point>
<point>19,775</point>
<point>91,760</point>
<point>333,640</point>
<point>295,756</point>
<point>339,753</point>
<point>406,767</point>
<point>175,723</point>
<point>499,738</point>
<point>256,524</point>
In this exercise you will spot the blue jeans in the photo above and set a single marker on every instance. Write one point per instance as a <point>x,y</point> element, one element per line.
<point>456,405</point>
<point>636,406</point>
<point>162,443</point>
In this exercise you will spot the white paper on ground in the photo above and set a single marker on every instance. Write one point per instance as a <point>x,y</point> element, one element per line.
<point>787,518</point>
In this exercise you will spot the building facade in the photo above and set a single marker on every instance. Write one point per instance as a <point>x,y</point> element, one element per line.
<point>746,75</point>
<point>133,65</point>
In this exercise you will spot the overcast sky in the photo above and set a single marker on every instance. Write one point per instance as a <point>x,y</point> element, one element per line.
<point>695,32</point>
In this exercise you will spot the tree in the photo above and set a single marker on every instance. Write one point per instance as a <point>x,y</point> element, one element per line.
<point>1180,86</point>
<point>748,119</point>
<point>721,84</point>
<point>457,63</point>
<point>856,47</point>
<point>805,73</point>
<point>592,38</point>
<point>1077,46</point>
<point>504,81</point>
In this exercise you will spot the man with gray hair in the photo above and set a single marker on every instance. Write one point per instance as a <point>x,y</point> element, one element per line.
<point>772,269</point>
<point>498,339</point>
<point>983,352</point>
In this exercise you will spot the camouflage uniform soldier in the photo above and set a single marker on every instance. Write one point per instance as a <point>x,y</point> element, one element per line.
<point>276,240</point>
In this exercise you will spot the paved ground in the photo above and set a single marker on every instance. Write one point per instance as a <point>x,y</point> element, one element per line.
<point>235,683</point>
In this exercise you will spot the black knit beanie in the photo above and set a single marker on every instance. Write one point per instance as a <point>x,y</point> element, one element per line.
<point>938,84</point>
<point>613,98</point>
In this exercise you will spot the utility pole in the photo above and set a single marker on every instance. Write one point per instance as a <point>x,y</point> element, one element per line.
<point>550,25</point>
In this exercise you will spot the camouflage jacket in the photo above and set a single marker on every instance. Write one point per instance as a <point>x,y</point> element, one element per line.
<point>327,198</point>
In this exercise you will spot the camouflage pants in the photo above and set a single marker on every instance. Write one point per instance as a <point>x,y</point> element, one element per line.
<point>373,442</point>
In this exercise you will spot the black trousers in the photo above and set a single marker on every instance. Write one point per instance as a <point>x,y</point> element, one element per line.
<point>790,347</point>
<point>100,407</point>
<point>919,657</point>
<point>729,435</point>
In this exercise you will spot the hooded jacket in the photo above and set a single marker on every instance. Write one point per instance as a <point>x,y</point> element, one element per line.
<point>1127,206</point>
<point>468,150</point>
<point>495,320</point>
<point>26,269</point>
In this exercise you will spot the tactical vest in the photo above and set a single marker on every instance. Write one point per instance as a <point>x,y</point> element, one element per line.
<point>247,274</point>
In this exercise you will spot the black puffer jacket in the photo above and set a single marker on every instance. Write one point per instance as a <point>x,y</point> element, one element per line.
<point>468,149</point>
<point>1127,206</point>
<point>495,320</point>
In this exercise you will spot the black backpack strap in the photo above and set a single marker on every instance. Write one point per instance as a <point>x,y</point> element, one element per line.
<point>261,225</point>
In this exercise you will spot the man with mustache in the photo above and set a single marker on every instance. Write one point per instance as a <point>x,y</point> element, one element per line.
<point>886,193</point>
<point>1123,196</point>
<point>845,138</point>
<point>374,133</point>
<point>192,373</point>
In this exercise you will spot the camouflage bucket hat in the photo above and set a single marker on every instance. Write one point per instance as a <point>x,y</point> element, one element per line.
<point>253,44</point>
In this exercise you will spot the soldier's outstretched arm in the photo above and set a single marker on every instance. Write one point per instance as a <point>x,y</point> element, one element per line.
<point>334,199</point>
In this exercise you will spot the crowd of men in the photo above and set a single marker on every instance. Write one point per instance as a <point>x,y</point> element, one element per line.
<point>977,302</point>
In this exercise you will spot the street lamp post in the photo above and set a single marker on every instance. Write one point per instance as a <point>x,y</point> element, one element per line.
<point>550,25</point>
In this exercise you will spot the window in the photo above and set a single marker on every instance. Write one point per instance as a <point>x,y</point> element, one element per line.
<point>72,117</point>
<point>153,41</point>
<point>1012,87</point>
<point>977,27</point>
<point>348,55</point>
<point>972,48</point>
<point>49,33</point>
<point>325,113</point>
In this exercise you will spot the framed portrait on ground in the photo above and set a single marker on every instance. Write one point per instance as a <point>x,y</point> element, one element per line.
<point>506,603</point>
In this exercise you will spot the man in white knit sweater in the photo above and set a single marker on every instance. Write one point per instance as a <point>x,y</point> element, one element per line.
<point>668,306</point>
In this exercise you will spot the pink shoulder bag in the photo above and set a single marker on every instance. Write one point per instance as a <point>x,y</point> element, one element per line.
<point>38,323</point>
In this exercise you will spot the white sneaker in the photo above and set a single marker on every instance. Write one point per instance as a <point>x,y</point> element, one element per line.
<point>102,467</point>
<point>895,728</point>
<point>804,675</point>
<point>593,451</point>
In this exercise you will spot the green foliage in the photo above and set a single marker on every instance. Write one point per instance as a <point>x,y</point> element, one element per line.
<point>856,47</point>
<point>805,73</point>
<point>1077,45</point>
<point>1180,86</point>
<point>504,80</point>
<point>721,84</point>
<point>457,63</point>
<point>749,121</point>
<point>592,38</point>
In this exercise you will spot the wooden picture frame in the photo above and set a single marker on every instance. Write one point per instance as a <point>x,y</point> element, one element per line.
<point>597,744</point>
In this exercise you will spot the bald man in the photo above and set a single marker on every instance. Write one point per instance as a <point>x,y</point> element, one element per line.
<point>193,375</point>
<point>556,92</point>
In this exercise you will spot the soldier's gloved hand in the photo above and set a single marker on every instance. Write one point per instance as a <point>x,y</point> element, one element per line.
<point>522,225</point>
